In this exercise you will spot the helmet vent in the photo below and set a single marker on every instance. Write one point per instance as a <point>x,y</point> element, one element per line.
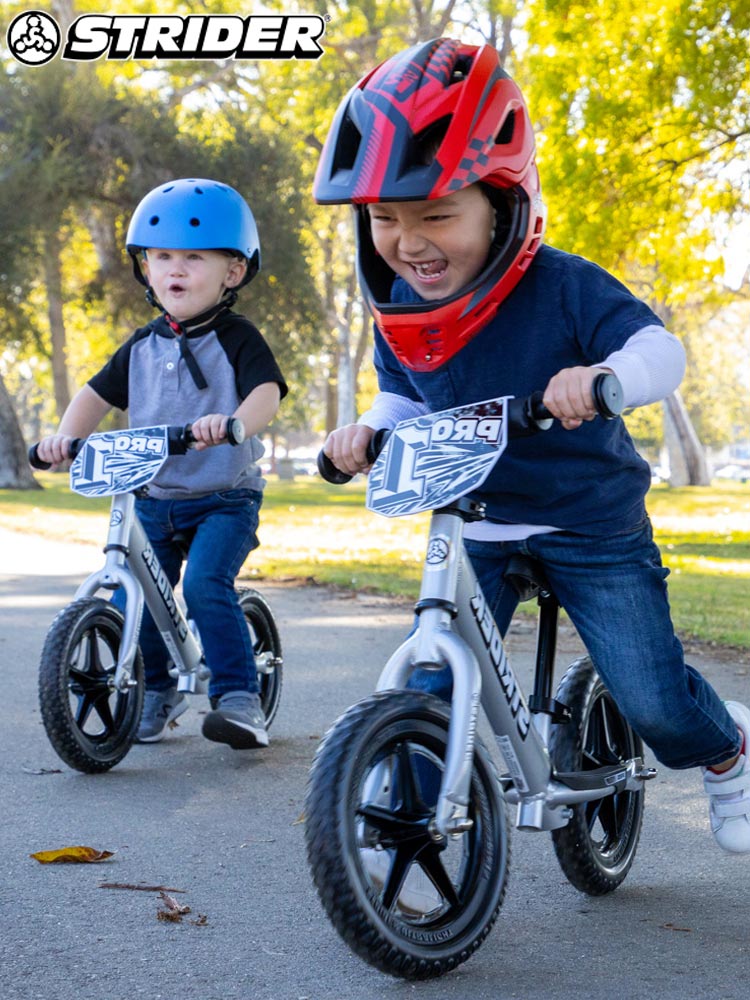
<point>199,190</point>
<point>350,139</point>
<point>429,141</point>
<point>505,135</point>
<point>154,220</point>
<point>195,222</point>
<point>461,69</point>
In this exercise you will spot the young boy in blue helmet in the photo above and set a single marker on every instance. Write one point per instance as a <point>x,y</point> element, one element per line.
<point>435,150</point>
<point>194,244</point>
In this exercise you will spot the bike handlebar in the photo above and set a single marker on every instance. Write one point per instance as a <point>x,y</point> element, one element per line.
<point>179,441</point>
<point>526,415</point>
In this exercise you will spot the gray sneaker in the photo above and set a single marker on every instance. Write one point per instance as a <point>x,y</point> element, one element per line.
<point>159,709</point>
<point>238,720</point>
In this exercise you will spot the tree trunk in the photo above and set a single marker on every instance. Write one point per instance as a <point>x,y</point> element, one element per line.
<point>15,472</point>
<point>53,282</point>
<point>347,407</point>
<point>687,458</point>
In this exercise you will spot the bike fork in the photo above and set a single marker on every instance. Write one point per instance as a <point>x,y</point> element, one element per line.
<point>432,646</point>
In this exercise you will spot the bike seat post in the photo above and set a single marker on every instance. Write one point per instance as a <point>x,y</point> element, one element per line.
<point>540,702</point>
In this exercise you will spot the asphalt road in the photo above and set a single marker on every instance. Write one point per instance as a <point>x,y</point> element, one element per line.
<point>226,828</point>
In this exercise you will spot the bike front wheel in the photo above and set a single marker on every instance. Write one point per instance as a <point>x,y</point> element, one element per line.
<point>597,848</point>
<point>90,724</point>
<point>408,901</point>
<point>266,643</point>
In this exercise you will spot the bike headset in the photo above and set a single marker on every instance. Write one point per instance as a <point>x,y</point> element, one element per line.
<point>194,214</point>
<point>427,122</point>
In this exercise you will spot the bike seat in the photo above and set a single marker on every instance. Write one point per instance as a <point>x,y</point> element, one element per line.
<point>527,577</point>
<point>183,541</point>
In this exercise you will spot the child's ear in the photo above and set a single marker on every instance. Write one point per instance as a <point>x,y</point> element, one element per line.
<point>236,273</point>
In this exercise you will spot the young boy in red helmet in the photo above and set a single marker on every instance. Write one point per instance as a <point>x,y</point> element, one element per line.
<point>194,243</point>
<point>435,150</point>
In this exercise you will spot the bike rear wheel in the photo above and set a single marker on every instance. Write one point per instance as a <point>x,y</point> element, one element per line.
<point>597,848</point>
<point>407,901</point>
<point>266,643</point>
<point>90,724</point>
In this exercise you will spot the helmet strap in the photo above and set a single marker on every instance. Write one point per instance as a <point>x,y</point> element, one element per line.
<point>181,333</point>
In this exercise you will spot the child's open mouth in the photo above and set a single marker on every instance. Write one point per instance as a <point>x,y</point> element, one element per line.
<point>431,270</point>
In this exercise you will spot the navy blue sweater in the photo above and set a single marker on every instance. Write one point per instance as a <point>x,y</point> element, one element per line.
<point>566,311</point>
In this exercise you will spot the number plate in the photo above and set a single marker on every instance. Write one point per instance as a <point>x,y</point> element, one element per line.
<point>118,461</point>
<point>432,460</point>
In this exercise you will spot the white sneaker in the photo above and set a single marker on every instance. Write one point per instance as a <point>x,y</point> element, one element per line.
<point>729,793</point>
<point>418,895</point>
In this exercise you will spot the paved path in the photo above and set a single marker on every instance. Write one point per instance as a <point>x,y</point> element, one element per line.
<point>226,828</point>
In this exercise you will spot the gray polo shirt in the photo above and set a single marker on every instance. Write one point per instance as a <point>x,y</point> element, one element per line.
<point>149,377</point>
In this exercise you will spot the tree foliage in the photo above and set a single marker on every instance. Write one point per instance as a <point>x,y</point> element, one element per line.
<point>643,127</point>
<point>79,146</point>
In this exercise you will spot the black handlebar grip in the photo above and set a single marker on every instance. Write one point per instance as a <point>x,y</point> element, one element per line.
<point>331,474</point>
<point>606,392</point>
<point>608,398</point>
<point>36,463</point>
<point>235,431</point>
<point>183,439</point>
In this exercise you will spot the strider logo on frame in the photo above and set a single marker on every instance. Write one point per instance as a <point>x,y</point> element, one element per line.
<point>34,37</point>
<point>494,645</point>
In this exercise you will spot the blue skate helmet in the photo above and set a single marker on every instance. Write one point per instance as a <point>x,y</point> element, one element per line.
<point>196,214</point>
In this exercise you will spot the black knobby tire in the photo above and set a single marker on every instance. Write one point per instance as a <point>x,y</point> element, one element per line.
<point>89,723</point>
<point>265,639</point>
<point>597,848</point>
<point>411,906</point>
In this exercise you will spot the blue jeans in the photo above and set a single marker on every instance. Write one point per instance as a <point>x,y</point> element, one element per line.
<point>223,528</point>
<point>614,591</point>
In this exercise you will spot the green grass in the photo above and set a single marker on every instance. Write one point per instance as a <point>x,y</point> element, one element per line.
<point>310,530</point>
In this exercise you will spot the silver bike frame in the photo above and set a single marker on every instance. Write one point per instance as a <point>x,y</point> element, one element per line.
<point>456,627</point>
<point>131,563</point>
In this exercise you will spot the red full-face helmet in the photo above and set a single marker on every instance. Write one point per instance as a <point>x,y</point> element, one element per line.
<point>427,122</point>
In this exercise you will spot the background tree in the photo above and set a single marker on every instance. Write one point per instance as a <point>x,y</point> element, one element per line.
<point>643,118</point>
<point>78,149</point>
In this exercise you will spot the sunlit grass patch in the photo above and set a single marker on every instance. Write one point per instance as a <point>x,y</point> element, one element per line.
<point>311,530</point>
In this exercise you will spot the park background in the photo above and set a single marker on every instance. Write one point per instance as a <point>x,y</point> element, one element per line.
<point>642,119</point>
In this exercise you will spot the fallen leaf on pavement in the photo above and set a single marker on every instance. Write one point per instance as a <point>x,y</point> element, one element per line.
<point>174,911</point>
<point>172,904</point>
<point>71,855</point>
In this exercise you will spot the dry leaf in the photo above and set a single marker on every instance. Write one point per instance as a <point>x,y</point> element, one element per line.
<point>200,921</point>
<point>169,915</point>
<point>172,904</point>
<point>71,855</point>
